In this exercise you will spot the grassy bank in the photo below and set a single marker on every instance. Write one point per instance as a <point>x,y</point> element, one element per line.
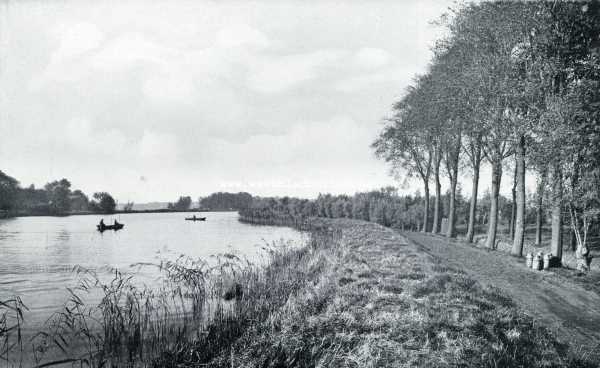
<point>375,301</point>
<point>357,296</point>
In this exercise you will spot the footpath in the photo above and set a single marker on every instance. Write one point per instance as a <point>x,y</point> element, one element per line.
<point>569,310</point>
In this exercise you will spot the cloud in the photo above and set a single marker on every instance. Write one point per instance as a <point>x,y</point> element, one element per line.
<point>65,63</point>
<point>82,136</point>
<point>371,58</point>
<point>219,92</point>
<point>128,50</point>
<point>304,144</point>
<point>373,80</point>
<point>241,35</point>
<point>158,146</point>
<point>169,89</point>
<point>278,74</point>
<point>76,40</point>
<point>311,157</point>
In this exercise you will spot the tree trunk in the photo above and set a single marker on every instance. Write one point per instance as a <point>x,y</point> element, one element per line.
<point>473,207</point>
<point>451,233</point>
<point>574,183</point>
<point>513,208</point>
<point>519,227</point>
<point>426,209</point>
<point>539,212</point>
<point>556,242</point>
<point>493,219</point>
<point>438,189</point>
<point>453,173</point>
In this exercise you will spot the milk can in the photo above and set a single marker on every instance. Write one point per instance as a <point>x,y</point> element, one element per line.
<point>537,262</point>
<point>529,260</point>
<point>547,260</point>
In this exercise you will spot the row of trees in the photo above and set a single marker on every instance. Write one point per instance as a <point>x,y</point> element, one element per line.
<point>384,206</point>
<point>55,198</point>
<point>512,82</point>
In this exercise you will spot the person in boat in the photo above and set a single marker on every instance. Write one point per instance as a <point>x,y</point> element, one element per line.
<point>102,223</point>
<point>116,223</point>
<point>194,217</point>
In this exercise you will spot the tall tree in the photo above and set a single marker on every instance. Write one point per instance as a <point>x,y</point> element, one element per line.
<point>406,143</point>
<point>103,202</point>
<point>495,28</point>
<point>58,194</point>
<point>9,188</point>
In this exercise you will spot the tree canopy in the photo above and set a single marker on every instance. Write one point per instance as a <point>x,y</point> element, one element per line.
<point>510,79</point>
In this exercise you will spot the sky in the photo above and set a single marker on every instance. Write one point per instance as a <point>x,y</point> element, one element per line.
<point>155,99</point>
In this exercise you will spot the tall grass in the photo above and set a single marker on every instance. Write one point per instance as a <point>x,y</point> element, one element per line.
<point>192,312</point>
<point>11,322</point>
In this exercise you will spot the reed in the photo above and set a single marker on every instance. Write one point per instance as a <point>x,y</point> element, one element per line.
<point>194,311</point>
<point>11,322</point>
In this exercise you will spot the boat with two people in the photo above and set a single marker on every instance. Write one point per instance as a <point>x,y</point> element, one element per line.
<point>103,227</point>
<point>194,218</point>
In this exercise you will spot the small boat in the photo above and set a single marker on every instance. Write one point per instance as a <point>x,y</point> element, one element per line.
<point>114,227</point>
<point>195,218</point>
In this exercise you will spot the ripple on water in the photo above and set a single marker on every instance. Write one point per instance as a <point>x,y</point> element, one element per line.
<point>39,254</point>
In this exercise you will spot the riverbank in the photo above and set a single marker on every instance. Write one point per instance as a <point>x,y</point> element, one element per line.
<point>377,300</point>
<point>358,295</point>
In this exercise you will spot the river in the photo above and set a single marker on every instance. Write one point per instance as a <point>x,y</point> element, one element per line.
<point>38,254</point>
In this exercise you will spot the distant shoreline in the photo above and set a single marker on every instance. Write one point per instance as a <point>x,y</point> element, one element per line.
<point>88,213</point>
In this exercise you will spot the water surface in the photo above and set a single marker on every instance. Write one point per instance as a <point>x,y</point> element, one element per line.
<point>37,254</point>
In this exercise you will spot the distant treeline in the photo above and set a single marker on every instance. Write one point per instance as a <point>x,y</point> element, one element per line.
<point>55,198</point>
<point>223,201</point>
<point>384,206</point>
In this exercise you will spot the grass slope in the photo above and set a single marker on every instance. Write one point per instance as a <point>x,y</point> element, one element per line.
<point>369,299</point>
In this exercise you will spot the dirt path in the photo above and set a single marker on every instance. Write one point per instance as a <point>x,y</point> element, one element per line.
<point>570,311</point>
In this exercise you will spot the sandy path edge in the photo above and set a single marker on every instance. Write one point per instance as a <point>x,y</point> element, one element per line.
<point>568,310</point>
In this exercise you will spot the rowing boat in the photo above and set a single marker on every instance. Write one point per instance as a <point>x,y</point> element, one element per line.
<point>116,227</point>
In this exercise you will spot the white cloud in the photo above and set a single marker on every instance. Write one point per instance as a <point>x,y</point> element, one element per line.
<point>76,40</point>
<point>65,63</point>
<point>84,137</point>
<point>278,74</point>
<point>130,49</point>
<point>371,58</point>
<point>394,77</point>
<point>241,35</point>
<point>169,89</point>
<point>304,144</point>
<point>235,91</point>
<point>158,146</point>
